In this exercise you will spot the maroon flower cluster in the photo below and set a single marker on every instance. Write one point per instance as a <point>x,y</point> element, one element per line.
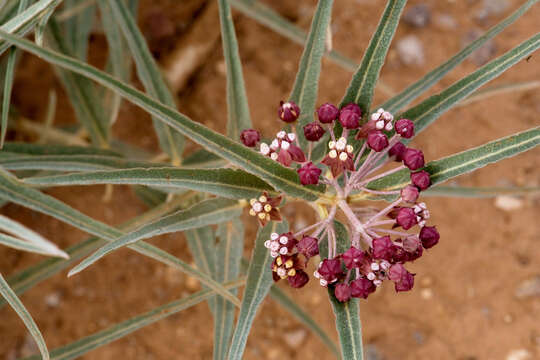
<point>291,257</point>
<point>381,241</point>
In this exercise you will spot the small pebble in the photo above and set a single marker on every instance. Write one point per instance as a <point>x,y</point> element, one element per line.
<point>53,299</point>
<point>371,352</point>
<point>508,203</point>
<point>426,294</point>
<point>445,21</point>
<point>519,354</point>
<point>491,8</point>
<point>295,338</point>
<point>417,15</point>
<point>410,50</point>
<point>528,288</point>
<point>508,318</point>
<point>192,284</point>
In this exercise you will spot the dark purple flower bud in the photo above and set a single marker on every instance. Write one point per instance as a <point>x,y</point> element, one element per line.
<point>342,292</point>
<point>405,128</point>
<point>361,288</point>
<point>309,174</point>
<point>308,246</point>
<point>413,159</point>
<point>421,179</point>
<point>429,236</point>
<point>327,113</point>
<point>415,254</point>
<point>349,119</point>
<point>406,283</point>
<point>396,152</point>
<point>377,140</point>
<point>313,131</point>
<point>353,258</point>
<point>288,111</point>
<point>409,194</point>
<point>330,269</point>
<point>250,137</point>
<point>353,107</point>
<point>406,218</point>
<point>383,248</point>
<point>298,280</point>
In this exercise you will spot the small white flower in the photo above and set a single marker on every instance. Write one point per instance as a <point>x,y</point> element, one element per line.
<point>257,206</point>
<point>267,244</point>
<point>284,240</point>
<point>274,236</point>
<point>265,149</point>
<point>343,156</point>
<point>389,126</point>
<point>331,144</point>
<point>291,136</point>
<point>350,149</point>
<point>375,266</point>
<point>281,134</point>
<point>274,246</point>
<point>281,272</point>
<point>285,145</point>
<point>371,276</point>
<point>273,156</point>
<point>333,154</point>
<point>379,124</point>
<point>274,145</point>
<point>283,251</point>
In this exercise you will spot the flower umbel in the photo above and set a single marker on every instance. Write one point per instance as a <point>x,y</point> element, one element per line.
<point>381,241</point>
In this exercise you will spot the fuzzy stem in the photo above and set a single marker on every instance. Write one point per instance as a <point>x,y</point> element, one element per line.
<point>306,229</point>
<point>391,171</point>
<point>391,232</point>
<point>383,212</point>
<point>382,222</point>
<point>379,192</point>
<point>357,225</point>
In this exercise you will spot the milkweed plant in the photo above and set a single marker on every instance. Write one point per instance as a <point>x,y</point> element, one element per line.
<point>352,162</point>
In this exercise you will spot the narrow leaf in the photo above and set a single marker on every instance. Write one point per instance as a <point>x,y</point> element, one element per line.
<point>33,275</point>
<point>71,162</point>
<point>491,91</point>
<point>461,163</point>
<point>18,244</point>
<point>478,192</point>
<point>306,85</point>
<point>204,213</point>
<point>171,141</point>
<point>237,103</point>
<point>8,82</point>
<point>13,190</point>
<point>19,308</point>
<point>347,314</point>
<point>432,108</point>
<point>276,175</point>
<point>124,328</point>
<point>258,284</point>
<point>33,241</point>
<point>408,95</point>
<point>51,149</point>
<point>227,267</point>
<point>362,85</point>
<point>229,183</point>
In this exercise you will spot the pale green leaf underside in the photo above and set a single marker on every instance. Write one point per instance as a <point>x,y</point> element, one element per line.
<point>280,177</point>
<point>237,102</point>
<point>19,308</point>
<point>405,97</point>
<point>362,86</point>
<point>149,74</point>
<point>478,192</point>
<point>258,284</point>
<point>461,163</point>
<point>120,330</point>
<point>13,190</point>
<point>236,184</point>
<point>204,213</point>
<point>306,85</point>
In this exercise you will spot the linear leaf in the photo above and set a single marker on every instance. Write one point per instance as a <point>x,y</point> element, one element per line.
<point>13,190</point>
<point>281,25</point>
<point>430,109</point>
<point>204,213</point>
<point>292,307</point>
<point>237,102</point>
<point>405,97</point>
<point>27,239</point>
<point>495,90</point>
<point>33,275</point>
<point>81,91</point>
<point>19,308</point>
<point>118,331</point>
<point>171,141</point>
<point>71,162</point>
<point>362,85</point>
<point>280,177</point>
<point>461,163</point>
<point>306,85</point>
<point>258,284</point>
<point>478,192</point>
<point>228,259</point>
<point>202,158</point>
<point>21,24</point>
<point>77,28</point>
<point>201,244</point>
<point>8,82</point>
<point>347,314</point>
<point>236,184</point>
<point>51,149</point>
